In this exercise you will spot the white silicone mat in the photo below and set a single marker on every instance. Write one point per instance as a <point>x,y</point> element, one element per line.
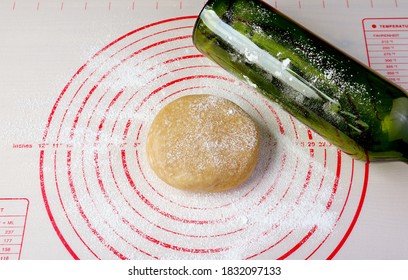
<point>82,80</point>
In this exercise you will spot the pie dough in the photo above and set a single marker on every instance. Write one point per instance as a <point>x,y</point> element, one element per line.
<point>203,143</point>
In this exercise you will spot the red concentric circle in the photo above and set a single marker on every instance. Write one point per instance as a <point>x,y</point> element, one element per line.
<point>105,202</point>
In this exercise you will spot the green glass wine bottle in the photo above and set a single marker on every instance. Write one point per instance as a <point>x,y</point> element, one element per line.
<point>338,97</point>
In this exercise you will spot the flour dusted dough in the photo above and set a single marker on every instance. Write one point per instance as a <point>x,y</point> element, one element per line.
<point>203,143</point>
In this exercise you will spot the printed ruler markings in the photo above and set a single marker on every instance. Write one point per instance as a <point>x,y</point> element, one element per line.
<point>347,3</point>
<point>276,4</point>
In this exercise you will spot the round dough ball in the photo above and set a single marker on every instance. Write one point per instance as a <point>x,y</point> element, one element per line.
<point>203,143</point>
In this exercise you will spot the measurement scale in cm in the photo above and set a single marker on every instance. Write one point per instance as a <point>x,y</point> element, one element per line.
<point>180,4</point>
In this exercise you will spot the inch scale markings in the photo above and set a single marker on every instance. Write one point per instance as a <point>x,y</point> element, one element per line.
<point>387,47</point>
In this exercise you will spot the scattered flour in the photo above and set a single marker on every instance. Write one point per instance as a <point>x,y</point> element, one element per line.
<point>130,209</point>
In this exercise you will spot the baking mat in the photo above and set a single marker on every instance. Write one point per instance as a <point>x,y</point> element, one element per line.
<point>82,81</point>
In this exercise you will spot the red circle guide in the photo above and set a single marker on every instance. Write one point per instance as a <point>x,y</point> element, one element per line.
<point>104,201</point>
